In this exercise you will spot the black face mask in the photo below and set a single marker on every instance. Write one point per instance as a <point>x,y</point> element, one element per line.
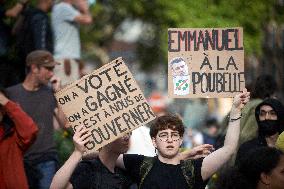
<point>268,127</point>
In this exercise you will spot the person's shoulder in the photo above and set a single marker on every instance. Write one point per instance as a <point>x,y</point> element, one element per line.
<point>46,88</point>
<point>87,165</point>
<point>192,162</point>
<point>135,160</point>
<point>253,141</point>
<point>39,15</point>
<point>62,6</point>
<point>133,156</point>
<point>248,145</point>
<point>89,161</point>
<point>13,88</point>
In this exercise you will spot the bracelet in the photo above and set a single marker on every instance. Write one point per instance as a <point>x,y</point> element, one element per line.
<point>235,119</point>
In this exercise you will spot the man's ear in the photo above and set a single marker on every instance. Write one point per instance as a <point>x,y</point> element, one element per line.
<point>34,68</point>
<point>264,179</point>
<point>154,142</point>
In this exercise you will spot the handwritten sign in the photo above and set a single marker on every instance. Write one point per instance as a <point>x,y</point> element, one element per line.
<point>205,63</point>
<point>108,102</point>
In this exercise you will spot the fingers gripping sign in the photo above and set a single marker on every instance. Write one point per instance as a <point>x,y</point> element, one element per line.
<point>80,138</point>
<point>240,100</point>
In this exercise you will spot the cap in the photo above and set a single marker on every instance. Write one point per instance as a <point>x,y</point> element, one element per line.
<point>41,58</point>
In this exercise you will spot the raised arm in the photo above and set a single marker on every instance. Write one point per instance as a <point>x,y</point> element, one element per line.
<point>16,9</point>
<point>85,16</point>
<point>215,160</point>
<point>25,127</point>
<point>63,175</point>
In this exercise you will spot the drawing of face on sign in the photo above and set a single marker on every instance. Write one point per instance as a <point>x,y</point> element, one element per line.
<point>180,76</point>
<point>179,67</point>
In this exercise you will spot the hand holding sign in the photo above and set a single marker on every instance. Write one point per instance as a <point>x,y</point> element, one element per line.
<point>107,102</point>
<point>80,138</point>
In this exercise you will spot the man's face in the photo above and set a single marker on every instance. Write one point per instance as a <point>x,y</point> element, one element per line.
<point>44,74</point>
<point>267,113</point>
<point>121,145</point>
<point>180,69</point>
<point>167,143</point>
<point>49,3</point>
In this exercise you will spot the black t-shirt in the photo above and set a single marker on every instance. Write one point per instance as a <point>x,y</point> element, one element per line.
<point>92,174</point>
<point>161,175</point>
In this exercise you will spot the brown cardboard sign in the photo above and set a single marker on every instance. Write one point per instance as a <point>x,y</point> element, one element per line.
<point>205,62</point>
<point>108,102</point>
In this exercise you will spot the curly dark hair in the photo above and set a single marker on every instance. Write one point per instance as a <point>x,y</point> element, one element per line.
<point>247,173</point>
<point>168,121</point>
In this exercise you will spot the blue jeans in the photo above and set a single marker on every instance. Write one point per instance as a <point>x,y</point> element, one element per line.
<point>48,170</point>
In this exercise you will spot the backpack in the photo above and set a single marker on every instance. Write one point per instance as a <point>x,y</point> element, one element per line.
<point>186,166</point>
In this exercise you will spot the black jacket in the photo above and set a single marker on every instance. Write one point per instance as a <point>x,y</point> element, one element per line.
<point>35,33</point>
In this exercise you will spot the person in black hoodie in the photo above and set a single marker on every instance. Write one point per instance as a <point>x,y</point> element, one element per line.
<point>34,32</point>
<point>270,121</point>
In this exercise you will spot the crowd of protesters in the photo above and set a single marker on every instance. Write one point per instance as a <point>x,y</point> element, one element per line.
<point>32,29</point>
<point>47,56</point>
<point>29,41</point>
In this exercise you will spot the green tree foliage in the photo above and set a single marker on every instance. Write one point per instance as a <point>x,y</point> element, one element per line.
<point>163,14</point>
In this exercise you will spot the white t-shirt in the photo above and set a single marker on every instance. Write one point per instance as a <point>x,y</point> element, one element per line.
<point>66,31</point>
<point>141,143</point>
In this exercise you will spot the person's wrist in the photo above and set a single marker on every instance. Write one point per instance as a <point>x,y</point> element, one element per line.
<point>78,154</point>
<point>235,114</point>
<point>3,102</point>
<point>235,118</point>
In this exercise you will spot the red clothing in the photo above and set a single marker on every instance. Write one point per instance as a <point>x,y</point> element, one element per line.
<point>12,148</point>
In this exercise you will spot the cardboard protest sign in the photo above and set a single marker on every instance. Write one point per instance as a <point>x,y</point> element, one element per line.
<point>108,102</point>
<point>205,62</point>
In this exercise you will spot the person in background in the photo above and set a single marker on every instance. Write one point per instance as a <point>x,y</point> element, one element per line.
<point>36,97</point>
<point>34,33</point>
<point>66,17</point>
<point>17,133</point>
<point>210,132</point>
<point>265,86</point>
<point>262,169</point>
<point>8,73</point>
<point>270,121</point>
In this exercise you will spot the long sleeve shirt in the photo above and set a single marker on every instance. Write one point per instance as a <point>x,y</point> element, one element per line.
<point>12,147</point>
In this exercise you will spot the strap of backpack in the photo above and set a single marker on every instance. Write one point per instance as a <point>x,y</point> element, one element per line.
<point>145,168</point>
<point>188,172</point>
